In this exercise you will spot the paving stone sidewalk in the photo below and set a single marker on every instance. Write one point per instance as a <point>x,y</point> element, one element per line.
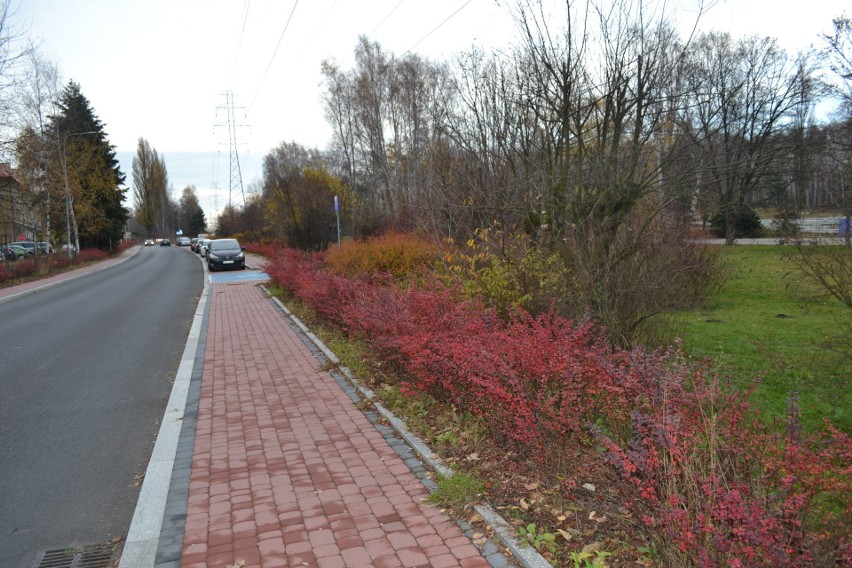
<point>287,471</point>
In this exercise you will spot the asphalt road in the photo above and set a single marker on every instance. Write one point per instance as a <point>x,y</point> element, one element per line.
<point>85,371</point>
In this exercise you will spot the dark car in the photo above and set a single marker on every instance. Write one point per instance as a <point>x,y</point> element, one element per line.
<point>7,253</point>
<point>165,243</point>
<point>225,253</point>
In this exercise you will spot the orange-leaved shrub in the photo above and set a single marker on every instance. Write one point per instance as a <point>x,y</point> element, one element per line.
<point>399,254</point>
<point>712,486</point>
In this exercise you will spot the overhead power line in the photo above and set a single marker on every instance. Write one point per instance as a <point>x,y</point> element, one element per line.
<point>274,53</point>
<point>327,13</point>
<point>246,7</point>
<point>386,17</point>
<point>448,18</point>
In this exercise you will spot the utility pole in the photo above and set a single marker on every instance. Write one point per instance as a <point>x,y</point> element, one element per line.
<point>235,187</point>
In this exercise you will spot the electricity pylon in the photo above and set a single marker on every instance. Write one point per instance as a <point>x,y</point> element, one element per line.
<point>235,187</point>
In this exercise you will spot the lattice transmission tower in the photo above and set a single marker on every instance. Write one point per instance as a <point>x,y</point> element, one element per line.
<point>235,187</point>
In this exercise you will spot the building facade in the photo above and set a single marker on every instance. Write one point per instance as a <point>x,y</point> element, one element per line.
<point>17,218</point>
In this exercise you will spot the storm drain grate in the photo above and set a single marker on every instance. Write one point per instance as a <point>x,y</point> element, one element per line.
<point>95,556</point>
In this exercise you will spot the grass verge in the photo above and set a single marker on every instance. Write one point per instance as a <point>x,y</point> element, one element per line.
<point>766,323</point>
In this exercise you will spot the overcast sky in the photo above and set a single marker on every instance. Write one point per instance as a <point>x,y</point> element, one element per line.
<point>159,69</point>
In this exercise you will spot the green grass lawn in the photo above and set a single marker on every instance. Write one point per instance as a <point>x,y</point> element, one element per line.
<point>764,322</point>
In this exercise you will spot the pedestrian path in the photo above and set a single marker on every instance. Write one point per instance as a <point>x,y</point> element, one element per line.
<point>286,470</point>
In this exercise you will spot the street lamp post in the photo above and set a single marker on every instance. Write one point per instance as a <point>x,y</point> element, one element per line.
<point>69,204</point>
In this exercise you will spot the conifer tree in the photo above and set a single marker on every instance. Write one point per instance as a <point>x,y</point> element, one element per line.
<point>94,175</point>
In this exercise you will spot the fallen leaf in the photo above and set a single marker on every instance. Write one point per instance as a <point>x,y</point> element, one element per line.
<point>473,457</point>
<point>524,505</point>
<point>531,486</point>
<point>477,518</point>
<point>565,534</point>
<point>592,547</point>
<point>595,516</point>
<point>239,564</point>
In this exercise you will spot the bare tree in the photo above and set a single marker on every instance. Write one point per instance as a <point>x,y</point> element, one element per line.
<point>744,93</point>
<point>603,87</point>
<point>13,52</point>
<point>298,197</point>
<point>839,52</point>
<point>38,94</point>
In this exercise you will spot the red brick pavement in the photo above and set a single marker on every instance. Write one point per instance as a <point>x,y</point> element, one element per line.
<point>286,470</point>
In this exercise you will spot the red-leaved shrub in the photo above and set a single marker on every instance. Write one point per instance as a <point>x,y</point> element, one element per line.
<point>711,484</point>
<point>89,254</point>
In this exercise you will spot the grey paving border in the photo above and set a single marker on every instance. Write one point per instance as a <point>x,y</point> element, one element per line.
<point>170,549</point>
<point>143,538</point>
<point>526,556</point>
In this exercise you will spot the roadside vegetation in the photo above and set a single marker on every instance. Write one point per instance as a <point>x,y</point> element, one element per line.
<point>38,267</point>
<point>616,455</point>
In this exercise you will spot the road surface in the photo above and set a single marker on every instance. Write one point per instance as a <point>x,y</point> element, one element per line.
<point>85,371</point>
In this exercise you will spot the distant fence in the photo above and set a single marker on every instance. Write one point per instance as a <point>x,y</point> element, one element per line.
<point>815,225</point>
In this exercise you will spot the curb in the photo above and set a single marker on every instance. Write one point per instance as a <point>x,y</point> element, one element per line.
<point>526,555</point>
<point>143,537</point>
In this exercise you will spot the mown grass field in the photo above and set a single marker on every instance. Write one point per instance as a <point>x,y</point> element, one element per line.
<point>765,322</point>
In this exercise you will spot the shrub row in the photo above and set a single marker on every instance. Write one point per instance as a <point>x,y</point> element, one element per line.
<point>712,486</point>
<point>24,267</point>
<point>398,254</point>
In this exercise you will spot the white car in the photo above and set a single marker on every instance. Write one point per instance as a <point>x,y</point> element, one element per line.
<point>149,242</point>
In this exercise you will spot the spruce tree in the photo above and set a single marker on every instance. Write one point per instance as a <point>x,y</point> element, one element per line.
<point>94,175</point>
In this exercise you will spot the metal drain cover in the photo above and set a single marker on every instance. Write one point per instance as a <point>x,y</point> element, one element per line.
<point>95,556</point>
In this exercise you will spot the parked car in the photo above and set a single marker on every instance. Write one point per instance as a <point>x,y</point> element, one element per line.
<point>66,247</point>
<point>7,253</point>
<point>165,243</point>
<point>202,247</point>
<point>45,247</point>
<point>20,251</point>
<point>225,253</point>
<point>182,241</point>
<point>29,245</point>
<point>149,242</point>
